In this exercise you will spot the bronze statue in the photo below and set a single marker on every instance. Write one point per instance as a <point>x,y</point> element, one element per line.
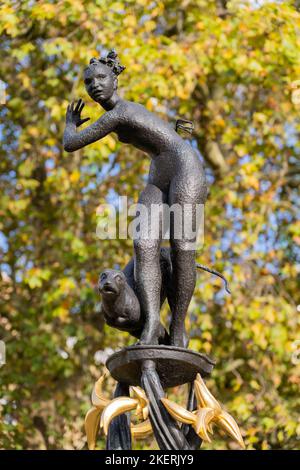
<point>176,176</point>
<point>132,298</point>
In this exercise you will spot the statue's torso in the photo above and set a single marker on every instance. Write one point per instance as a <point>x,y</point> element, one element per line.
<point>170,154</point>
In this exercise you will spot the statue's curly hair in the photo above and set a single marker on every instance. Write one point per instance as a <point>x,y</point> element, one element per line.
<point>111,60</point>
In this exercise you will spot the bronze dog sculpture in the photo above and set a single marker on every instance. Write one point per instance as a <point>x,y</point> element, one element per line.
<point>120,306</point>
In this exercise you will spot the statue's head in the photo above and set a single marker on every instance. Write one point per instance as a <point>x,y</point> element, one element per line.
<point>101,77</point>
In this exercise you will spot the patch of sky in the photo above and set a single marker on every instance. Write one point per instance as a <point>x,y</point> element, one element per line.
<point>233,212</point>
<point>107,170</point>
<point>219,296</point>
<point>3,242</point>
<point>272,222</point>
<point>292,136</point>
<point>255,4</point>
<point>264,242</point>
<point>252,131</point>
<point>285,216</point>
<point>244,159</point>
<point>4,267</point>
<point>113,198</point>
<point>75,310</point>
<point>272,268</point>
<point>213,250</point>
<point>265,185</point>
<point>145,177</point>
<point>240,91</point>
<point>194,144</point>
<point>230,238</point>
<point>23,63</point>
<point>24,263</point>
<point>210,178</point>
<point>89,187</point>
<point>10,176</point>
<point>145,17</point>
<point>19,276</point>
<point>50,164</point>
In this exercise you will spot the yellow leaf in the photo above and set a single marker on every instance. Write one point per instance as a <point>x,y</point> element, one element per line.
<point>75,176</point>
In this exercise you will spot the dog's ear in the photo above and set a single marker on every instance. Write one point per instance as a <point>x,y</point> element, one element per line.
<point>97,287</point>
<point>122,275</point>
<point>101,275</point>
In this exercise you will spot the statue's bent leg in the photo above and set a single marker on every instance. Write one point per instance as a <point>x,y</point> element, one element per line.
<point>188,194</point>
<point>147,272</point>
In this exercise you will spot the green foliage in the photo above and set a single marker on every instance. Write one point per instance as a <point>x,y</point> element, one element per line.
<point>228,67</point>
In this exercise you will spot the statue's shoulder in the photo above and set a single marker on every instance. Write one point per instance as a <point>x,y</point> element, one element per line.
<point>131,106</point>
<point>123,107</point>
<point>129,111</point>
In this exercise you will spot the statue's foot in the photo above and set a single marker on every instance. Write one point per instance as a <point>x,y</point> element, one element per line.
<point>148,340</point>
<point>180,340</point>
<point>150,334</point>
<point>180,344</point>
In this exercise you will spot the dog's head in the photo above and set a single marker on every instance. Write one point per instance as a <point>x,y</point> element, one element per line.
<point>111,282</point>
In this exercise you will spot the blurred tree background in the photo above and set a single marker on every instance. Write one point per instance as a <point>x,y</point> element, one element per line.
<point>227,66</point>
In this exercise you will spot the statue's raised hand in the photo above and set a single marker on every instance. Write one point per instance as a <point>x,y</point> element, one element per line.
<point>73,114</point>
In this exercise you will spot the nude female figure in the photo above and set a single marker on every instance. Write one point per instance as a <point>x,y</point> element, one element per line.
<point>176,176</point>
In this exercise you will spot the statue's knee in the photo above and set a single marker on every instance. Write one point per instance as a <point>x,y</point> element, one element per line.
<point>185,246</point>
<point>146,248</point>
<point>180,252</point>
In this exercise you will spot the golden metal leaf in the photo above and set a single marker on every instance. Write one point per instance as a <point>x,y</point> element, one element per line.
<point>226,422</point>
<point>142,409</point>
<point>178,412</point>
<point>141,430</point>
<point>105,410</point>
<point>97,398</point>
<point>115,408</point>
<point>222,419</point>
<point>145,412</point>
<point>140,394</point>
<point>204,397</point>
<point>91,424</point>
<point>210,427</point>
<point>203,419</point>
<point>208,412</point>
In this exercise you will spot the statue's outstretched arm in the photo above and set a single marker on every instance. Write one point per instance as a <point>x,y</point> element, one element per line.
<point>74,140</point>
